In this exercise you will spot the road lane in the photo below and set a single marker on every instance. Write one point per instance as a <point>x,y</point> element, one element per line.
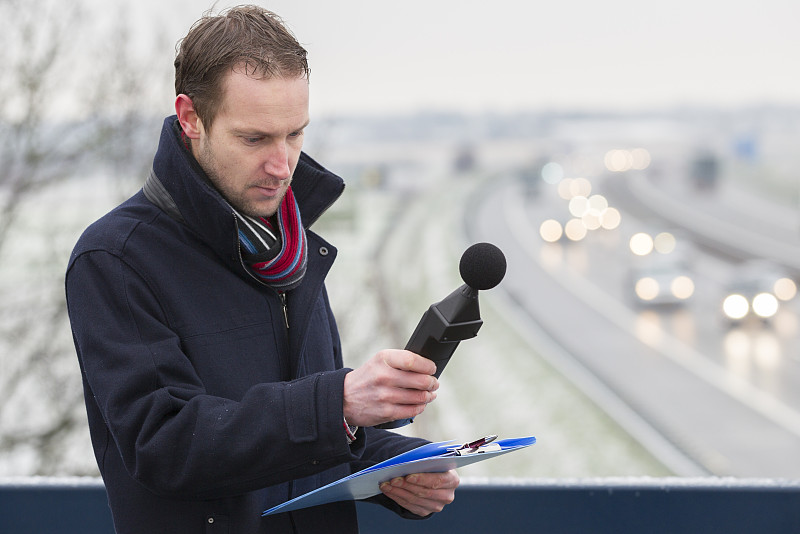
<point>724,425</point>
<point>767,355</point>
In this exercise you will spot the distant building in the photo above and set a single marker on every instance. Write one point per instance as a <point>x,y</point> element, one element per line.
<point>705,171</point>
<point>464,160</point>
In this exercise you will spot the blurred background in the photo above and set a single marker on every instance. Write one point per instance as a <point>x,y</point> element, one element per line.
<point>637,164</point>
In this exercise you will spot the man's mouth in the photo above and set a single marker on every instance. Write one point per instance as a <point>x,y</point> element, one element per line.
<point>268,190</point>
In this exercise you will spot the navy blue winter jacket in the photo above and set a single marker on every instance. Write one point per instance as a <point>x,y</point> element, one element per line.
<point>204,409</point>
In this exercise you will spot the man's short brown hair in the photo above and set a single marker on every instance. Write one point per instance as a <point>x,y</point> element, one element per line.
<point>247,37</point>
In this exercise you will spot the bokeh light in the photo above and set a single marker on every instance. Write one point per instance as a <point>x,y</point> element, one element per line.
<point>575,230</point>
<point>765,305</point>
<point>641,244</point>
<point>618,160</point>
<point>552,172</point>
<point>591,220</point>
<point>767,351</point>
<point>647,288</point>
<point>611,219</point>
<point>785,289</point>
<point>664,243</point>
<point>551,230</point>
<point>598,204</point>
<point>648,328</point>
<point>580,187</point>
<point>564,188</point>
<point>737,345</point>
<point>621,160</point>
<point>569,188</point>
<point>579,206</point>
<point>735,306</point>
<point>682,287</point>
<point>640,158</point>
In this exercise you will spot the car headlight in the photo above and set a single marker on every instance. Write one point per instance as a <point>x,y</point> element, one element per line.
<point>735,306</point>
<point>646,288</point>
<point>682,287</point>
<point>765,305</point>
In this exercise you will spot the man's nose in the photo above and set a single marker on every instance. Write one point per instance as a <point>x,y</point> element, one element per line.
<point>277,161</point>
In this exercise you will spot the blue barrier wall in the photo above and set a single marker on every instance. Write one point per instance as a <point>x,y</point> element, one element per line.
<point>599,506</point>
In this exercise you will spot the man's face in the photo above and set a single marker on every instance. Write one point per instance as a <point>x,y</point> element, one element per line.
<point>254,144</point>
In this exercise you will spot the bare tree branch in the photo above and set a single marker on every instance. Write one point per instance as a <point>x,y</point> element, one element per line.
<point>56,127</point>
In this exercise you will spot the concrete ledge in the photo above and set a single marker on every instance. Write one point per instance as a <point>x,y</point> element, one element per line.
<point>604,505</point>
<point>613,506</point>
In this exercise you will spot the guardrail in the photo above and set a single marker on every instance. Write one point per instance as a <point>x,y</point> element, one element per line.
<point>597,506</point>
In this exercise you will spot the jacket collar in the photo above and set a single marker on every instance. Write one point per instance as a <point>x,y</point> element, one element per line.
<point>179,186</point>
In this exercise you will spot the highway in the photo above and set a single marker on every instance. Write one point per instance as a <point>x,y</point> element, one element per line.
<point>724,397</point>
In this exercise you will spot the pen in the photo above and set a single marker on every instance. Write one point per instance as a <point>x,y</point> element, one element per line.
<point>479,442</point>
<point>472,446</point>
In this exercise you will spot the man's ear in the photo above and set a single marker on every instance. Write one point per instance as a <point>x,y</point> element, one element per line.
<point>187,116</point>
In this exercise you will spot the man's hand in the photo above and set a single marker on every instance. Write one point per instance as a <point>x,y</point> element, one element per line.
<point>422,493</point>
<point>393,384</point>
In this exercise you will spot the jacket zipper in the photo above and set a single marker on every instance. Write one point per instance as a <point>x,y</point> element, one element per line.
<point>282,296</point>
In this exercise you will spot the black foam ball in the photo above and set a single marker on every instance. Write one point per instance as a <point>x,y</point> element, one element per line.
<point>482,266</point>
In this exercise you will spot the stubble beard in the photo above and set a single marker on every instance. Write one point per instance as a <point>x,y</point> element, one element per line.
<point>236,198</point>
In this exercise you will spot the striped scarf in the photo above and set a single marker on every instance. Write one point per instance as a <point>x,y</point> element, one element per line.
<point>278,257</point>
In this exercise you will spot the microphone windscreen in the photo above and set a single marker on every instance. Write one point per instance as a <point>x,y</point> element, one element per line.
<point>482,266</point>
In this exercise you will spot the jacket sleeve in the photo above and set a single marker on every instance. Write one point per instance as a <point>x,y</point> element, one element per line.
<point>174,437</point>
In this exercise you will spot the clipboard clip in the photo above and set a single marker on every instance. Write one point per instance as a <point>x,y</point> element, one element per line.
<point>475,447</point>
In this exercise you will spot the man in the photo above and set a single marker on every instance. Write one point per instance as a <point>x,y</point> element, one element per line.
<point>212,367</point>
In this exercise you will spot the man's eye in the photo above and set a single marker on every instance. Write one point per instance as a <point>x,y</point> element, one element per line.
<point>251,140</point>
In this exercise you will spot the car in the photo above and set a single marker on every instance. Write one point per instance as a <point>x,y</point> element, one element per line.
<point>755,290</point>
<point>661,280</point>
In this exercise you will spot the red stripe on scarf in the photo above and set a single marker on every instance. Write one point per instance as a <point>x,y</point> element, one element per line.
<point>291,225</point>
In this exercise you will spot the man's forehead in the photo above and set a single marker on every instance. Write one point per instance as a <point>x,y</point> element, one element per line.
<point>254,100</point>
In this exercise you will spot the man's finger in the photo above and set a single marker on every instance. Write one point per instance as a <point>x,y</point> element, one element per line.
<point>404,360</point>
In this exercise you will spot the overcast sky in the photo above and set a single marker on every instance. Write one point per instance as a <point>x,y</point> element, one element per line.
<point>380,56</point>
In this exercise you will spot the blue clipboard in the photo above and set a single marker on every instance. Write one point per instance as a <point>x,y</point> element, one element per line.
<point>430,458</point>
